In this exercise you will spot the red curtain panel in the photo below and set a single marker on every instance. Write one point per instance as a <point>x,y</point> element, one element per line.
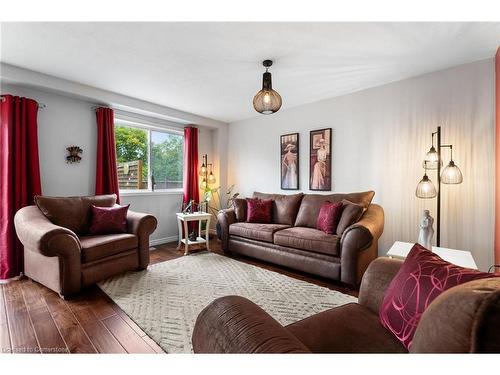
<point>106,181</point>
<point>497,159</point>
<point>191,164</point>
<point>19,175</point>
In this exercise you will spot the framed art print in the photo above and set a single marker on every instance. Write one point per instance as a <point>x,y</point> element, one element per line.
<point>289,157</point>
<point>320,160</point>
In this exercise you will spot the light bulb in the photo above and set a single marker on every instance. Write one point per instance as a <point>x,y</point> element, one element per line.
<point>203,170</point>
<point>266,98</point>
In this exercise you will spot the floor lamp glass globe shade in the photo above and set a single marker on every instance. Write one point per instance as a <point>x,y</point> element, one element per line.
<point>425,189</point>
<point>451,174</point>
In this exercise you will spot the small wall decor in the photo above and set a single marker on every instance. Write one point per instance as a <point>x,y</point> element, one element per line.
<point>289,148</point>
<point>73,156</point>
<point>320,160</point>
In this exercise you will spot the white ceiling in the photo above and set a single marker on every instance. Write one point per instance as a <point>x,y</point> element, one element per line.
<point>214,69</point>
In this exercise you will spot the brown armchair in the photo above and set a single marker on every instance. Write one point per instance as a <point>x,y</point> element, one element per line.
<point>59,253</point>
<point>234,324</point>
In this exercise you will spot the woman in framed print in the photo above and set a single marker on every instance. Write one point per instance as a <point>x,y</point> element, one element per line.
<point>289,146</point>
<point>320,160</point>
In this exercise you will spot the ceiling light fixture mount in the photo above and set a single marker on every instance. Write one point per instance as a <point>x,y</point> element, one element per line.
<point>267,100</point>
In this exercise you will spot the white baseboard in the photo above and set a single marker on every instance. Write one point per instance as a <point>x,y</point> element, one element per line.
<point>160,241</point>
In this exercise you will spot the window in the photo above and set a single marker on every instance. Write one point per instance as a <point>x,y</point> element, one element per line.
<point>148,159</point>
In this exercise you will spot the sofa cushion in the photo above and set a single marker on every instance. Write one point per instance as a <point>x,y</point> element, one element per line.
<point>309,239</point>
<point>240,209</point>
<point>311,204</point>
<point>73,213</point>
<point>350,328</point>
<point>422,277</point>
<point>351,213</point>
<point>255,231</point>
<point>102,246</point>
<point>285,207</point>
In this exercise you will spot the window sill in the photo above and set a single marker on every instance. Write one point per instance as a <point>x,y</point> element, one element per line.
<point>150,193</point>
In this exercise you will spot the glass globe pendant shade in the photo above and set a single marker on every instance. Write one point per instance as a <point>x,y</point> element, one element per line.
<point>451,174</point>
<point>203,184</point>
<point>211,178</point>
<point>425,188</point>
<point>203,170</point>
<point>431,160</point>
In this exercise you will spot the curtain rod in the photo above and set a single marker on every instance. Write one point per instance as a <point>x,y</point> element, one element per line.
<point>40,105</point>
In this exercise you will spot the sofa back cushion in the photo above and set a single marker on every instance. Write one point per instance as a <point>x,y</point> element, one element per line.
<point>351,213</point>
<point>311,204</point>
<point>285,207</point>
<point>73,213</point>
<point>420,280</point>
<point>240,209</point>
<point>474,309</point>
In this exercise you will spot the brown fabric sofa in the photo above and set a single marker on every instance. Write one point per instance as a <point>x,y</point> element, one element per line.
<point>59,253</point>
<point>293,241</point>
<point>463,319</point>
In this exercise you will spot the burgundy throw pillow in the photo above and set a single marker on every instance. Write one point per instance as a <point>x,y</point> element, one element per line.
<point>259,210</point>
<point>108,220</point>
<point>422,277</point>
<point>329,217</point>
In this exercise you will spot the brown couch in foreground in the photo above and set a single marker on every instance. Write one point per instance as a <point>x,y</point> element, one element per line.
<point>60,254</point>
<point>463,319</point>
<point>293,241</point>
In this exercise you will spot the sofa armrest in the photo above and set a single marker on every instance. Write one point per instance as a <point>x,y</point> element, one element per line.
<point>233,324</point>
<point>224,219</point>
<point>376,280</point>
<point>37,233</point>
<point>359,244</point>
<point>142,225</point>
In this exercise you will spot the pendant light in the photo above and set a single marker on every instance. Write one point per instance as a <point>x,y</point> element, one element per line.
<point>451,173</point>
<point>267,101</point>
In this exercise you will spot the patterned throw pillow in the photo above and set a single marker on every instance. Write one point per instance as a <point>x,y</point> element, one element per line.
<point>422,277</point>
<point>329,217</point>
<point>259,210</point>
<point>108,220</point>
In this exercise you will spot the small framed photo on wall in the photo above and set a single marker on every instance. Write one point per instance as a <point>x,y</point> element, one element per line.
<point>320,160</point>
<point>289,148</point>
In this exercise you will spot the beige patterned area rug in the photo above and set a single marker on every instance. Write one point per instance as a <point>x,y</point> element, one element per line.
<point>165,299</point>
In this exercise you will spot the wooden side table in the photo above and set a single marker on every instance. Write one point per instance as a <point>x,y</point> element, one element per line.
<point>459,257</point>
<point>183,220</point>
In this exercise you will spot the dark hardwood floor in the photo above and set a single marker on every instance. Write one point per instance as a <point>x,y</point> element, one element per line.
<point>34,319</point>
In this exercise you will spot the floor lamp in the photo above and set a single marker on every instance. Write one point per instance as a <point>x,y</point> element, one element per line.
<point>451,174</point>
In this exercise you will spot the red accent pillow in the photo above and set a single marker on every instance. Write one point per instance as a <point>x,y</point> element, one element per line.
<point>259,210</point>
<point>329,217</point>
<point>422,277</point>
<point>108,220</point>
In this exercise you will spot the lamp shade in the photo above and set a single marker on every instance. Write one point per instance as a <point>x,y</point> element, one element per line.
<point>431,160</point>
<point>211,178</point>
<point>451,174</point>
<point>267,100</point>
<point>203,184</point>
<point>203,170</point>
<point>425,188</point>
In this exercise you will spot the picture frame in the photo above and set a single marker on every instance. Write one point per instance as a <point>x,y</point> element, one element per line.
<point>320,160</point>
<point>289,161</point>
